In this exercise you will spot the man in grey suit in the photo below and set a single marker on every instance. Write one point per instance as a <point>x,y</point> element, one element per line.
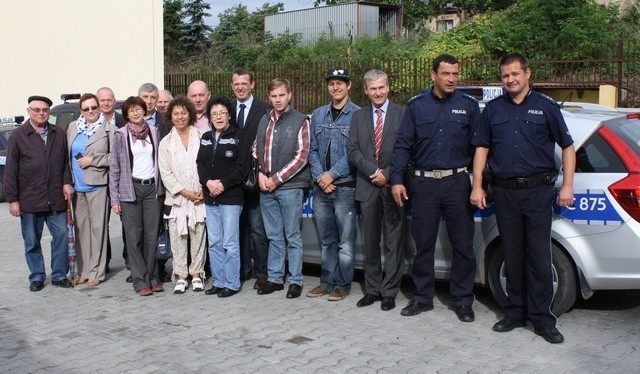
<point>253,238</point>
<point>372,137</point>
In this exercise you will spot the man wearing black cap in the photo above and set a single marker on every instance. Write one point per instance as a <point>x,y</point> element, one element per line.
<point>37,182</point>
<point>334,190</point>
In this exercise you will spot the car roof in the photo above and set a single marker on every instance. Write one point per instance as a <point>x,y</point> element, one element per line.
<point>582,120</point>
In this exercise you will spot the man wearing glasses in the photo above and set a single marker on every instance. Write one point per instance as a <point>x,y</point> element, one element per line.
<point>37,182</point>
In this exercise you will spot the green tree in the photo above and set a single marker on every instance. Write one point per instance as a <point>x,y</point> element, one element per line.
<point>172,18</point>
<point>195,32</point>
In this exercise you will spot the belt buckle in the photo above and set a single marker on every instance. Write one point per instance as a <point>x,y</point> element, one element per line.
<point>521,181</point>
<point>437,174</point>
<point>145,182</point>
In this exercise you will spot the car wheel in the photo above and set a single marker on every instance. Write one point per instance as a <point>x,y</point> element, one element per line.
<point>564,280</point>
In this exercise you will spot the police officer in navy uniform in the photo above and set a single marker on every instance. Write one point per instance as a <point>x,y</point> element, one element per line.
<point>436,133</point>
<point>519,130</point>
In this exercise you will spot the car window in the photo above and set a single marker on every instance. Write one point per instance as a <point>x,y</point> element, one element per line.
<point>65,118</point>
<point>629,131</point>
<point>597,156</point>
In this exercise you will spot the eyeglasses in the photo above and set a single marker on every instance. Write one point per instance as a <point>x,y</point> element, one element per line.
<point>92,107</point>
<point>135,109</point>
<point>40,110</point>
<point>216,114</point>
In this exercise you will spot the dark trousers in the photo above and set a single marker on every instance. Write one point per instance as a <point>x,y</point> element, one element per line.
<point>524,221</point>
<point>431,199</point>
<point>253,238</point>
<point>140,220</point>
<point>381,217</point>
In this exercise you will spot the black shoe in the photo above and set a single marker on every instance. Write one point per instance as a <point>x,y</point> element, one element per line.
<point>367,300</point>
<point>213,290</point>
<point>270,287</point>
<point>107,270</point>
<point>63,283</point>
<point>129,279</point>
<point>464,313</point>
<point>36,286</point>
<point>388,303</point>
<point>225,292</point>
<point>415,307</point>
<point>507,324</point>
<point>550,334</point>
<point>294,291</point>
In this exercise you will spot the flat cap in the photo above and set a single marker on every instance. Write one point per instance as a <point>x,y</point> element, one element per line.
<point>39,98</point>
<point>338,73</point>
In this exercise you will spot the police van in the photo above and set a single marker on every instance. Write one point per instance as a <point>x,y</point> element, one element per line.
<point>7,125</point>
<point>595,244</point>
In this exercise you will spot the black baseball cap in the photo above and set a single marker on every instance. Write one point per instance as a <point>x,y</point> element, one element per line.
<point>338,73</point>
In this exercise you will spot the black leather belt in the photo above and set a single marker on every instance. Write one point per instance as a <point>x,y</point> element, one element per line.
<point>438,174</point>
<point>144,182</point>
<point>548,178</point>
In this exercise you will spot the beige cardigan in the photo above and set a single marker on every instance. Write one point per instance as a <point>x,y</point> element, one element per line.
<point>99,147</point>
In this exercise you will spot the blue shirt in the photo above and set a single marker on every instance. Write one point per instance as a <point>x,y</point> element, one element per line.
<point>331,137</point>
<point>435,133</point>
<point>78,146</point>
<point>522,137</point>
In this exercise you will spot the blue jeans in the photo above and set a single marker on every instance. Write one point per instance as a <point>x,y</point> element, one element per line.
<point>32,225</point>
<point>282,216</point>
<point>223,230</point>
<point>336,221</point>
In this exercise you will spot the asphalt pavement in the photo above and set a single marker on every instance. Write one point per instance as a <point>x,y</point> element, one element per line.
<point>110,329</point>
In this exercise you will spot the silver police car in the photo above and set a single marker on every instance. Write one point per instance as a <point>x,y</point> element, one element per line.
<point>595,244</point>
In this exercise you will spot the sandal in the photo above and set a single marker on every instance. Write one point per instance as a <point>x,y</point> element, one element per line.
<point>197,284</point>
<point>181,286</point>
<point>93,283</point>
<point>77,280</point>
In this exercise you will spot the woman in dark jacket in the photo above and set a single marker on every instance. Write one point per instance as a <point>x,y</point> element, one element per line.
<point>222,168</point>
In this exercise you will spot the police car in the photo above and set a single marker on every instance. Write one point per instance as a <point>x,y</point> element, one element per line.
<point>595,244</point>
<point>7,125</point>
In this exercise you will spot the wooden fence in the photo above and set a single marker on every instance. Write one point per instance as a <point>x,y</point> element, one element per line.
<point>410,76</point>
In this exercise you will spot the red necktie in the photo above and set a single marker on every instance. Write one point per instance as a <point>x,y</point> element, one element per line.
<point>378,133</point>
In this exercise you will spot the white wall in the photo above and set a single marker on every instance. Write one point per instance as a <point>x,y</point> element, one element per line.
<point>50,47</point>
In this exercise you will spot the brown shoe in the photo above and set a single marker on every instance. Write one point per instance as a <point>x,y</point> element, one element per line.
<point>145,291</point>
<point>157,288</point>
<point>317,292</point>
<point>260,283</point>
<point>337,294</point>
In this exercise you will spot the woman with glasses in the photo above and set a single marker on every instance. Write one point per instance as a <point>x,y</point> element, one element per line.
<point>222,169</point>
<point>134,186</point>
<point>183,201</point>
<point>90,139</point>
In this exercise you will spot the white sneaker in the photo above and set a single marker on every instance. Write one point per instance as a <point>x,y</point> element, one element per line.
<point>197,284</point>
<point>181,286</point>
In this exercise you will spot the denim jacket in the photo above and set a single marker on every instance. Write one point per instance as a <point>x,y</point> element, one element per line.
<point>325,131</point>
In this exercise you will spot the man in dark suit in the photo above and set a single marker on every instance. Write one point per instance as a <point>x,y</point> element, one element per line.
<point>372,136</point>
<point>253,238</point>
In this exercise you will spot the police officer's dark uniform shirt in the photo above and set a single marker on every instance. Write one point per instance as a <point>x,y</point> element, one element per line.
<point>435,133</point>
<point>522,136</point>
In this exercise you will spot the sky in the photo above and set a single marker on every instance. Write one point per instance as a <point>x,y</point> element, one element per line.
<point>219,6</point>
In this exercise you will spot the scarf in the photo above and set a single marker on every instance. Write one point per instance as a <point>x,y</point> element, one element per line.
<point>184,169</point>
<point>89,128</point>
<point>138,134</point>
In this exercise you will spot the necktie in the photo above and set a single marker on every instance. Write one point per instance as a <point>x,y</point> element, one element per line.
<point>378,133</point>
<point>240,120</point>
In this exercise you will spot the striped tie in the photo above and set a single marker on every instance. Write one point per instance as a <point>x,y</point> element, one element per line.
<point>378,133</point>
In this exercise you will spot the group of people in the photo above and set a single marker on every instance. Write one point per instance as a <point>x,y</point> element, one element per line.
<point>197,155</point>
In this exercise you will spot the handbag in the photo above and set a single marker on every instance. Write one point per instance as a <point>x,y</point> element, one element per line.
<point>251,182</point>
<point>163,248</point>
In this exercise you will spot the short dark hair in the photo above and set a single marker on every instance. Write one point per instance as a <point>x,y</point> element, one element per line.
<point>182,101</point>
<point>515,57</point>
<point>221,100</point>
<point>131,102</point>
<point>243,72</point>
<point>446,58</point>
<point>85,97</point>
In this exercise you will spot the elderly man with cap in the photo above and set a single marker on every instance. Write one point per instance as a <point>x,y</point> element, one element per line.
<point>335,185</point>
<point>37,182</point>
